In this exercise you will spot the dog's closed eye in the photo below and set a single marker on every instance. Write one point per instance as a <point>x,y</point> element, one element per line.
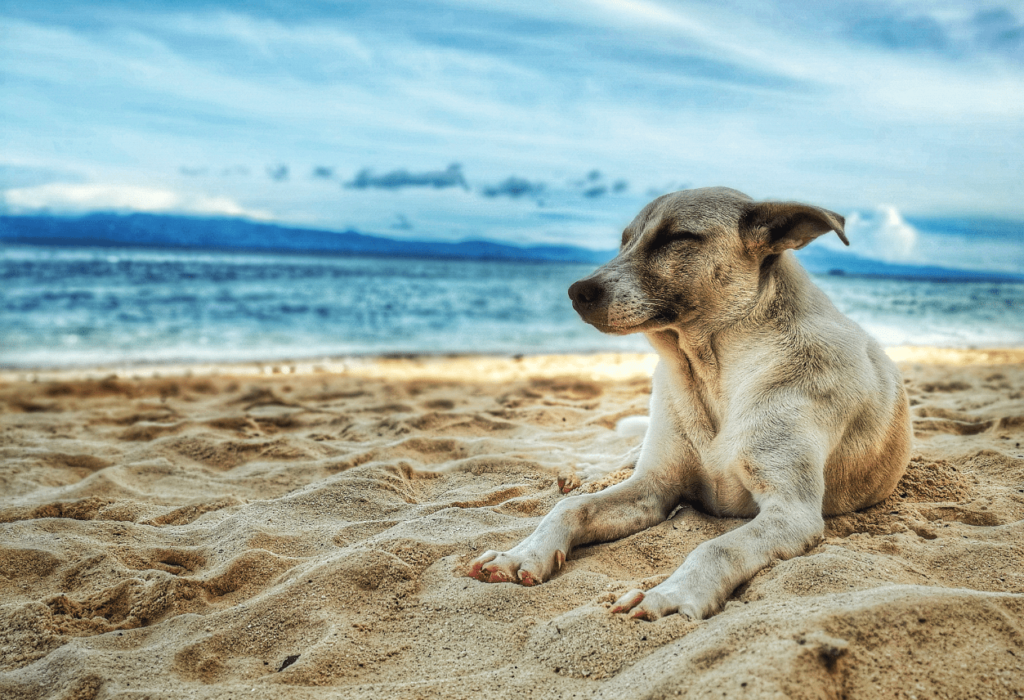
<point>667,238</point>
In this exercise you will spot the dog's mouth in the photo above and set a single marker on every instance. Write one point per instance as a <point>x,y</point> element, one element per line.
<point>656,321</point>
<point>625,329</point>
<point>616,330</point>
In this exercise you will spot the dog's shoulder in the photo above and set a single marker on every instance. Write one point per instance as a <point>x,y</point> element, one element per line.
<point>809,347</point>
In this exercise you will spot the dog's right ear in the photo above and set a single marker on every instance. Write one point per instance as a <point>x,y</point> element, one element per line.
<point>780,226</point>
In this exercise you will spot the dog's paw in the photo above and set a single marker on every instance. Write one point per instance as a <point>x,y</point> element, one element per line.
<point>508,567</point>
<point>652,605</point>
<point>568,483</point>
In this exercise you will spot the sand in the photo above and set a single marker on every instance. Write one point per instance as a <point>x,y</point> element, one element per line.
<point>302,531</point>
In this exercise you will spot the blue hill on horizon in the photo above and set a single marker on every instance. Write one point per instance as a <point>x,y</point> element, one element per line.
<point>824,261</point>
<point>202,233</point>
<point>236,234</point>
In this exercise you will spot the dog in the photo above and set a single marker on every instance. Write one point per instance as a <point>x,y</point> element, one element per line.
<point>767,403</point>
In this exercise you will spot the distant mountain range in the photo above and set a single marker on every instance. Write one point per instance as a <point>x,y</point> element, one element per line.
<point>165,231</point>
<point>168,231</point>
<point>822,260</point>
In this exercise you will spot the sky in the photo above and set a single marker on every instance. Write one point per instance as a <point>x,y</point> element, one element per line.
<point>526,122</point>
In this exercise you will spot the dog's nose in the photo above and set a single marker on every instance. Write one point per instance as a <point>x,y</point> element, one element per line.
<point>585,293</point>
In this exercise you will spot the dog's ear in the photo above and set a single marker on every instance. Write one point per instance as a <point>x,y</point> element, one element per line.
<point>779,226</point>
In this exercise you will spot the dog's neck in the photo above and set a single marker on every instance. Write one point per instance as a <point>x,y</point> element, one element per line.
<point>694,350</point>
<point>693,358</point>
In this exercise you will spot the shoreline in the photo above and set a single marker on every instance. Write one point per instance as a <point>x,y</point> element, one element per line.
<point>595,366</point>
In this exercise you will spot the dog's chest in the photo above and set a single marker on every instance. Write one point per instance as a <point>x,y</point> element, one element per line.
<point>698,418</point>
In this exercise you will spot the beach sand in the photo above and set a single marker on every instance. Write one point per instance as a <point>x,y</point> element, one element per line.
<point>303,531</point>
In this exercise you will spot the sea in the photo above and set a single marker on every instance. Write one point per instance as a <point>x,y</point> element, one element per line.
<point>80,307</point>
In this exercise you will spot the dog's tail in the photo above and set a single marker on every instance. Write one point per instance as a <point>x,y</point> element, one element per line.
<point>633,426</point>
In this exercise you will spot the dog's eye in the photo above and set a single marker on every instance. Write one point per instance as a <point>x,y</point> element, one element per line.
<point>669,237</point>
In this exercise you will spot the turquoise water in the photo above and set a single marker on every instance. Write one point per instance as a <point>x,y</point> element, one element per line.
<point>102,306</point>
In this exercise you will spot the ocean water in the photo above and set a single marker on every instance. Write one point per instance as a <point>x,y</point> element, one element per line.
<point>103,306</point>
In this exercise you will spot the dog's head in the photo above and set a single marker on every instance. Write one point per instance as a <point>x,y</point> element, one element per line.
<point>695,256</point>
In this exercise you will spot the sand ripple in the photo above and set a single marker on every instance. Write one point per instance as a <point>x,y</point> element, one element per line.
<point>306,536</point>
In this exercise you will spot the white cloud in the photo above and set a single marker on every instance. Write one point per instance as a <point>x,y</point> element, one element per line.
<point>79,198</point>
<point>883,234</point>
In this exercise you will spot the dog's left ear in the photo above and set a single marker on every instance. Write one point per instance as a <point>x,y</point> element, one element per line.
<point>780,226</point>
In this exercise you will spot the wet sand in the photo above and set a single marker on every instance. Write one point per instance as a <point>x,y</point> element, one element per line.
<point>303,530</point>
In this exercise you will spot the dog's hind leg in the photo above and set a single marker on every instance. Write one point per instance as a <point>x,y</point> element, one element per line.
<point>643,500</point>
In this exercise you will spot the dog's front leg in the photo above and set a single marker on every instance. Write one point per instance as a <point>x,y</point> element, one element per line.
<point>643,500</point>
<point>627,507</point>
<point>788,487</point>
<point>663,473</point>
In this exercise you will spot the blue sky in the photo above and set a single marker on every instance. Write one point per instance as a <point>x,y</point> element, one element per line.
<point>561,119</point>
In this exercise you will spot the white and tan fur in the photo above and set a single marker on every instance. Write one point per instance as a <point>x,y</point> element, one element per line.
<point>767,402</point>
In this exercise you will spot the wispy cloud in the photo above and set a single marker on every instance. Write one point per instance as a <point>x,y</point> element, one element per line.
<point>849,105</point>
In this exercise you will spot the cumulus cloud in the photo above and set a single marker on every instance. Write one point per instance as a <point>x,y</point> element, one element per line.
<point>514,187</point>
<point>883,234</point>
<point>397,179</point>
<point>72,198</point>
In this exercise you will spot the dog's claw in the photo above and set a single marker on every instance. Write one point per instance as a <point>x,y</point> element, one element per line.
<point>476,569</point>
<point>655,604</point>
<point>628,602</point>
<point>559,558</point>
<point>568,483</point>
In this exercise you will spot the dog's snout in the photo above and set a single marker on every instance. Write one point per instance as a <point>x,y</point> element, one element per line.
<point>586,293</point>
